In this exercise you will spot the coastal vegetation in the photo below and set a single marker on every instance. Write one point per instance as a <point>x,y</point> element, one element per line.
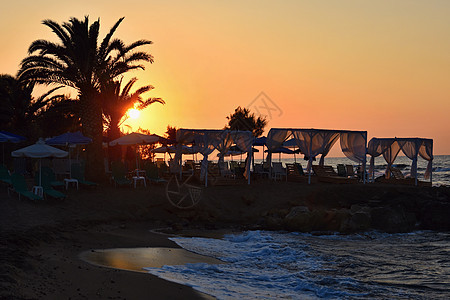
<point>90,68</point>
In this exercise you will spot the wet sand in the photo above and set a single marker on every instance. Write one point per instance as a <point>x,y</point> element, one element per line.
<point>136,259</point>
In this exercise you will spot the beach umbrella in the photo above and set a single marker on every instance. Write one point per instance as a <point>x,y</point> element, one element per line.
<point>39,150</point>
<point>172,149</point>
<point>261,141</point>
<point>282,150</point>
<point>69,139</point>
<point>7,137</point>
<point>292,143</point>
<point>136,138</point>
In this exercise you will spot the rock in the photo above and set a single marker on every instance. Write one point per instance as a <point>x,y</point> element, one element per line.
<point>435,216</point>
<point>360,221</point>
<point>390,219</point>
<point>298,219</point>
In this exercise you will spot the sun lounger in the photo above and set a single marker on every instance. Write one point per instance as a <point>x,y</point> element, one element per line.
<point>20,187</point>
<point>295,173</point>
<point>119,174</point>
<point>46,184</point>
<point>328,174</point>
<point>278,172</point>
<point>152,174</point>
<point>52,177</point>
<point>77,172</point>
<point>397,177</point>
<point>260,172</point>
<point>5,177</point>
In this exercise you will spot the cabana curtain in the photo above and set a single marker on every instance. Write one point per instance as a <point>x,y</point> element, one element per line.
<point>411,147</point>
<point>313,142</point>
<point>206,141</point>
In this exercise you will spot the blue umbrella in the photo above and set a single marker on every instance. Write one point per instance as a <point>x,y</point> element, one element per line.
<point>9,137</point>
<point>69,138</point>
<point>12,137</point>
<point>282,150</point>
<point>261,141</point>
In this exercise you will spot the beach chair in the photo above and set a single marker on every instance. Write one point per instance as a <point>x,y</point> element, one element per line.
<point>260,172</point>
<point>119,174</point>
<point>278,172</point>
<point>396,173</point>
<point>341,170</point>
<point>5,177</point>
<point>77,172</point>
<point>328,174</point>
<point>295,172</point>
<point>20,187</point>
<point>46,184</point>
<point>48,172</point>
<point>152,174</point>
<point>225,170</point>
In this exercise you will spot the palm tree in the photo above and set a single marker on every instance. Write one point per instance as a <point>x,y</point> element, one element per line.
<point>19,110</point>
<point>116,103</point>
<point>79,62</point>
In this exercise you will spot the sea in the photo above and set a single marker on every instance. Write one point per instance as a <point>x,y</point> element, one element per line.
<point>291,265</point>
<point>440,174</point>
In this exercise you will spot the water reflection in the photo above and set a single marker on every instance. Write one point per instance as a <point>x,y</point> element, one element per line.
<point>135,259</point>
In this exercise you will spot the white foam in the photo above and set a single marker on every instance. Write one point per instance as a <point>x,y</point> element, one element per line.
<point>261,265</point>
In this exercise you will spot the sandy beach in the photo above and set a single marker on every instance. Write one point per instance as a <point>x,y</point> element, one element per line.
<point>42,242</point>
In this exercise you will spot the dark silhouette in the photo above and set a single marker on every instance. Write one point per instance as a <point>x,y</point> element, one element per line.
<point>19,110</point>
<point>116,103</point>
<point>171,133</point>
<point>241,119</point>
<point>80,62</point>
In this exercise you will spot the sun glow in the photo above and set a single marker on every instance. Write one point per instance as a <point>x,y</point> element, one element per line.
<point>134,113</point>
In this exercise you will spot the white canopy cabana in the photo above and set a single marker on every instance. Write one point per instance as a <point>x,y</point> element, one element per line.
<point>313,142</point>
<point>411,147</point>
<point>205,141</point>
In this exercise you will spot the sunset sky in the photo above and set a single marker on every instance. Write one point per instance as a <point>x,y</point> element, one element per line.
<point>380,66</point>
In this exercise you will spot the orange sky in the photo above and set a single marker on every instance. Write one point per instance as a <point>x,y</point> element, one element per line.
<point>380,66</point>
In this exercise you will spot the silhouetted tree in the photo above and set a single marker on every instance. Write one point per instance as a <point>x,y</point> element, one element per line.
<point>242,119</point>
<point>80,62</point>
<point>117,102</point>
<point>145,151</point>
<point>171,133</point>
<point>60,116</point>
<point>19,110</point>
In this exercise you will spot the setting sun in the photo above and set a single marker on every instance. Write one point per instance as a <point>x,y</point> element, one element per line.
<point>134,113</point>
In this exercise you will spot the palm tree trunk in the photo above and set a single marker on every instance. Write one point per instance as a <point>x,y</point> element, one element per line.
<point>115,152</point>
<point>91,118</point>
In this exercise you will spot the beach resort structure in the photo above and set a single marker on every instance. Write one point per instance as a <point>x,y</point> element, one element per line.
<point>411,147</point>
<point>314,142</point>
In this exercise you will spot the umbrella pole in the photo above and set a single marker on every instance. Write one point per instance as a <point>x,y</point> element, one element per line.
<point>40,173</point>
<point>137,164</point>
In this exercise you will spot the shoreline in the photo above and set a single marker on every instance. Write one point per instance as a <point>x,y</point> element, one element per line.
<point>41,242</point>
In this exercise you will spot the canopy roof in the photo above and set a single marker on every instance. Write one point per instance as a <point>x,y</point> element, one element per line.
<point>411,147</point>
<point>207,140</point>
<point>313,142</point>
